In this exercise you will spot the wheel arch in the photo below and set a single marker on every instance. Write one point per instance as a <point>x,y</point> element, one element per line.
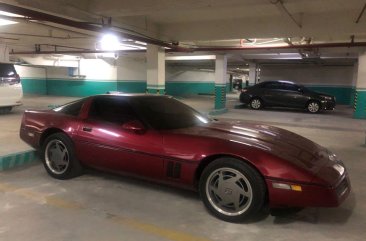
<point>313,100</point>
<point>48,132</point>
<point>207,160</point>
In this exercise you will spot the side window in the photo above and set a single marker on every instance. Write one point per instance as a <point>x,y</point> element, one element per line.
<point>72,108</point>
<point>273,86</point>
<point>111,109</point>
<point>290,87</point>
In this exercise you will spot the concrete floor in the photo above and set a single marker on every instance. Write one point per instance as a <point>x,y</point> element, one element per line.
<point>99,206</point>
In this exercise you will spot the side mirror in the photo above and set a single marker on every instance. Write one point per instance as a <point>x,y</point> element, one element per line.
<point>134,126</point>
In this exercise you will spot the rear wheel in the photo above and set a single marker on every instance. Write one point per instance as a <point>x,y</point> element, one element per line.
<point>232,190</point>
<point>59,157</point>
<point>313,106</point>
<point>256,103</point>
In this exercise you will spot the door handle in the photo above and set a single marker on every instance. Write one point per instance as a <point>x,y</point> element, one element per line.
<point>87,129</point>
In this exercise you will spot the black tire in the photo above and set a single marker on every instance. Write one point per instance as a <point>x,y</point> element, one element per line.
<point>5,110</point>
<point>219,199</point>
<point>256,103</point>
<point>58,156</point>
<point>313,106</point>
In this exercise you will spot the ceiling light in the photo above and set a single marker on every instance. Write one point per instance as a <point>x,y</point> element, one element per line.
<point>6,22</point>
<point>109,42</point>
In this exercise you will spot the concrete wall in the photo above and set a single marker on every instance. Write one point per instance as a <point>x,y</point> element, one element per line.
<point>334,80</point>
<point>131,75</point>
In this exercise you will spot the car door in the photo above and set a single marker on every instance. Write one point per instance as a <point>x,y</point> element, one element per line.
<point>103,143</point>
<point>272,92</point>
<point>293,96</point>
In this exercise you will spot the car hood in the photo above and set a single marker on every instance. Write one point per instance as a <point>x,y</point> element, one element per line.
<point>284,144</point>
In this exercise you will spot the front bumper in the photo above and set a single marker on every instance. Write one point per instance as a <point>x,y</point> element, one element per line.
<point>311,195</point>
<point>328,104</point>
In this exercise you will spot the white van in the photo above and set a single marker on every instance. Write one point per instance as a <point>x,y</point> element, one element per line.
<point>10,88</point>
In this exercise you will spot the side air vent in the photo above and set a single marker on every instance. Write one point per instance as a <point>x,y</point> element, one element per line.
<point>174,169</point>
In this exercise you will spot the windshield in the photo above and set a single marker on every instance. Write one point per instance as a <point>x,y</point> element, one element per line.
<point>165,113</point>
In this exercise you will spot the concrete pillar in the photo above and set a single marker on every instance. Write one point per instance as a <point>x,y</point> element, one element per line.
<point>220,84</point>
<point>360,95</point>
<point>354,82</point>
<point>4,53</point>
<point>155,69</point>
<point>252,73</point>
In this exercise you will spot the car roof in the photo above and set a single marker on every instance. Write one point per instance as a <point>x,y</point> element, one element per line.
<point>279,81</point>
<point>135,95</point>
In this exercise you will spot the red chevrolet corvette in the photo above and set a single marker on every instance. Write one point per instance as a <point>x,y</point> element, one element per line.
<point>237,167</point>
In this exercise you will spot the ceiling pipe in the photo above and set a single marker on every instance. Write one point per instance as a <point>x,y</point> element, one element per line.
<point>206,49</point>
<point>40,16</point>
<point>75,52</point>
<point>297,46</point>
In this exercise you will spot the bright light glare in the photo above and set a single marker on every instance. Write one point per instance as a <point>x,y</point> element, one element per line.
<point>203,120</point>
<point>10,14</point>
<point>6,22</point>
<point>109,42</point>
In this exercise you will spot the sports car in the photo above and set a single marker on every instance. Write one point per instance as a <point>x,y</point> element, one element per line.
<point>238,168</point>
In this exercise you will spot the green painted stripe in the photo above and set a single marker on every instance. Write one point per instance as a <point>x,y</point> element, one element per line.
<point>17,159</point>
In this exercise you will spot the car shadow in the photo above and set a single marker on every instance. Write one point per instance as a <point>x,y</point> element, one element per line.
<point>143,184</point>
<point>338,215</point>
<point>165,188</point>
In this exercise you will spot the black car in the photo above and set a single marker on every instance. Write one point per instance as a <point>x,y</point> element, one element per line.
<point>285,94</point>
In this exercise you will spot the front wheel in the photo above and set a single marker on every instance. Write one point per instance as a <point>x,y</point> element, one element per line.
<point>59,157</point>
<point>313,107</point>
<point>232,190</point>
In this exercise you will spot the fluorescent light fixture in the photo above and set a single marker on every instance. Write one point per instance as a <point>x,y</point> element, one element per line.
<point>10,14</point>
<point>6,22</point>
<point>191,57</point>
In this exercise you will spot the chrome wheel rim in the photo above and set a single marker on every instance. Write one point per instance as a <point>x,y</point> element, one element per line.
<point>229,191</point>
<point>256,104</point>
<point>313,107</point>
<point>57,157</point>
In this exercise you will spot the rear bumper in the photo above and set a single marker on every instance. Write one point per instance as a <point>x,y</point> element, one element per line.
<point>312,195</point>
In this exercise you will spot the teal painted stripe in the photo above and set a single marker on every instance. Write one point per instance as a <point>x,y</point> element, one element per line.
<point>189,88</point>
<point>17,159</point>
<point>131,86</point>
<point>34,86</point>
<point>63,87</point>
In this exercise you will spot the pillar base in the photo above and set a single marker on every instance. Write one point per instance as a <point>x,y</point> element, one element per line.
<point>360,104</point>
<point>218,111</point>
<point>220,96</point>
<point>156,90</point>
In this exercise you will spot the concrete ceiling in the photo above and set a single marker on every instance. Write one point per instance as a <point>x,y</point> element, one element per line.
<point>197,23</point>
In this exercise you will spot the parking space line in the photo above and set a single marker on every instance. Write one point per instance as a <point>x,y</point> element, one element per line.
<point>54,201</point>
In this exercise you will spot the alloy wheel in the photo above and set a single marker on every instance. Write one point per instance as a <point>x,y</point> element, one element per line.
<point>229,191</point>
<point>256,104</point>
<point>57,157</point>
<point>313,107</point>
